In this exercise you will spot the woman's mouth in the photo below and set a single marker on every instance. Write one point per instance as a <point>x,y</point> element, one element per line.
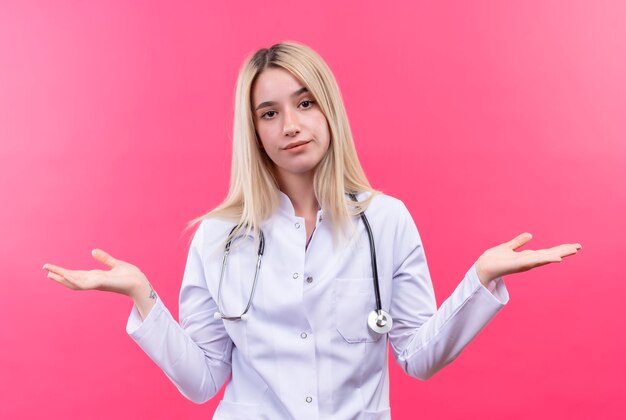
<point>296,145</point>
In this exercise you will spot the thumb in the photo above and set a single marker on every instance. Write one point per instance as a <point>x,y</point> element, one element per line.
<point>103,257</point>
<point>519,240</point>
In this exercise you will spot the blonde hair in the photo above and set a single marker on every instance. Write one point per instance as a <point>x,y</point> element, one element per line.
<point>253,195</point>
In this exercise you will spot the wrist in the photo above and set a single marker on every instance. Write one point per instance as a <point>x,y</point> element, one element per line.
<point>483,277</point>
<point>144,297</point>
<point>141,286</point>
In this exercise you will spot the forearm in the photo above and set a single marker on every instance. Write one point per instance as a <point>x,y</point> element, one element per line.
<point>442,338</point>
<point>198,372</point>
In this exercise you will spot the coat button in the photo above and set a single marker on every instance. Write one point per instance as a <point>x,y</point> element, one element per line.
<point>303,335</point>
<point>297,225</point>
<point>309,279</point>
<point>295,275</point>
<point>309,399</point>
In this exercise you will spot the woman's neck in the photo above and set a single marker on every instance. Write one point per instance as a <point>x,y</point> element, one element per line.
<point>299,188</point>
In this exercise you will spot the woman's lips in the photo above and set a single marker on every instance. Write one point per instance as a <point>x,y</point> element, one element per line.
<point>296,144</point>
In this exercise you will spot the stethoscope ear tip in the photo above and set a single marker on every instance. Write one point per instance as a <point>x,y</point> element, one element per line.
<point>245,317</point>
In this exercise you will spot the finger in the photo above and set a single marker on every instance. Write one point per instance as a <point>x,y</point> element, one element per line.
<point>561,250</point>
<point>62,280</point>
<point>555,254</point>
<point>519,240</point>
<point>56,269</point>
<point>104,258</point>
<point>566,250</point>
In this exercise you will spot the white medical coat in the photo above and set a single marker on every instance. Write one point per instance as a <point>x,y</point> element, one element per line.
<point>306,351</point>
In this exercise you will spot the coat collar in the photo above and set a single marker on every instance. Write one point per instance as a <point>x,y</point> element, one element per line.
<point>286,207</point>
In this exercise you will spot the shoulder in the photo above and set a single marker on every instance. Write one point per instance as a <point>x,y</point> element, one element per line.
<point>392,216</point>
<point>212,230</point>
<point>385,206</point>
<point>392,224</point>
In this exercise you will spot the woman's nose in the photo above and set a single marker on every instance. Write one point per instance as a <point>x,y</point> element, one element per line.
<point>291,126</point>
<point>291,130</point>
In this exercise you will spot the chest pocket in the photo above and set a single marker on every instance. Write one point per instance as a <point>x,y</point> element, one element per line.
<point>353,301</point>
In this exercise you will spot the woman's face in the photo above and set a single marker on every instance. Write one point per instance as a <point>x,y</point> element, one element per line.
<point>289,122</point>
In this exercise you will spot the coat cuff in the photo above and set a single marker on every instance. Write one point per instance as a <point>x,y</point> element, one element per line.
<point>138,328</point>
<point>496,288</point>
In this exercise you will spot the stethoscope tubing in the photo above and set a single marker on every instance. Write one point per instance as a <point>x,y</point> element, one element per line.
<point>378,320</point>
<point>260,251</point>
<point>368,229</point>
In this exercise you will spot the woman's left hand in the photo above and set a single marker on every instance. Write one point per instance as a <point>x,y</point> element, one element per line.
<point>502,259</point>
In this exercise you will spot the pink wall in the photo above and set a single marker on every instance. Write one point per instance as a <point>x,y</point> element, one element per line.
<point>486,118</point>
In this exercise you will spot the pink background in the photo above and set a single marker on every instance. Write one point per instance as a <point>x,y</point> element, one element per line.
<point>486,118</point>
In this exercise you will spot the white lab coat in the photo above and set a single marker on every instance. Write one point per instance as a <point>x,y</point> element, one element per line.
<point>306,351</point>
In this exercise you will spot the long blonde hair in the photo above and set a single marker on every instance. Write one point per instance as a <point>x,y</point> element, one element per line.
<point>253,195</point>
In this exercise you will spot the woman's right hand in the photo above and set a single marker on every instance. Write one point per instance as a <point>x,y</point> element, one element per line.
<point>122,278</point>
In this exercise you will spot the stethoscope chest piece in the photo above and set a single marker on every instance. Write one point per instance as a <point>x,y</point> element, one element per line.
<point>379,321</point>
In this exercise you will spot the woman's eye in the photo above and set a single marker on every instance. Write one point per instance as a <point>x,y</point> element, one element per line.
<point>270,114</point>
<point>267,113</point>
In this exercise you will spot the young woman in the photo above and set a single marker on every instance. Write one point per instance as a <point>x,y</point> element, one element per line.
<point>288,289</point>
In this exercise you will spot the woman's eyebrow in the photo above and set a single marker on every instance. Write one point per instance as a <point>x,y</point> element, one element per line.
<point>270,103</point>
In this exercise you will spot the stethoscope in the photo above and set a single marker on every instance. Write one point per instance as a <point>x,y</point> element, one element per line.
<point>378,320</point>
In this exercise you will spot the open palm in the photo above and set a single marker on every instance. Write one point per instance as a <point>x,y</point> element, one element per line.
<point>503,259</point>
<point>122,277</point>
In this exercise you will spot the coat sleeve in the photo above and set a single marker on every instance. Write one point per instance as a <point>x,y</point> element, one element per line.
<point>423,338</point>
<point>195,354</point>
